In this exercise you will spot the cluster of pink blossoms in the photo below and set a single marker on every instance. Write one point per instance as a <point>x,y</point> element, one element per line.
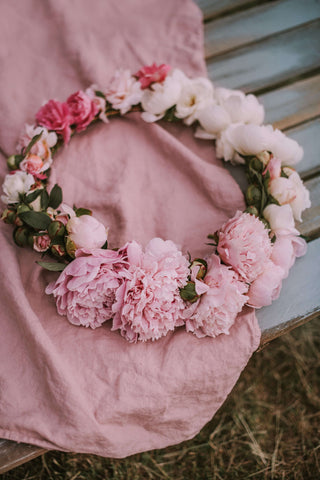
<point>148,293</point>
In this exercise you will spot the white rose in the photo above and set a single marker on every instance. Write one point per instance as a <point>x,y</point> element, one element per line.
<point>124,91</point>
<point>195,94</point>
<point>213,120</point>
<point>86,232</point>
<point>15,183</point>
<point>280,219</point>
<point>286,149</point>
<point>301,200</point>
<point>157,99</point>
<point>240,107</point>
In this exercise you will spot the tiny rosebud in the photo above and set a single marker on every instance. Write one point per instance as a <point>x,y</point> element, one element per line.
<point>203,267</point>
<point>56,229</point>
<point>58,250</point>
<point>264,157</point>
<point>20,236</point>
<point>41,243</point>
<point>8,216</point>
<point>70,247</point>
<point>188,292</point>
<point>252,210</point>
<point>18,222</point>
<point>11,162</point>
<point>253,195</point>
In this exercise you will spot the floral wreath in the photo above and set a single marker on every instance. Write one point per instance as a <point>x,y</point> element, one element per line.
<point>147,293</point>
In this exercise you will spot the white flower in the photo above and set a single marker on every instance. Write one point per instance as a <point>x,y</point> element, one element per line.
<point>302,195</point>
<point>99,101</point>
<point>280,219</point>
<point>86,232</point>
<point>286,149</point>
<point>157,99</point>
<point>213,119</point>
<point>240,107</point>
<point>42,148</point>
<point>15,183</point>
<point>195,94</point>
<point>124,91</point>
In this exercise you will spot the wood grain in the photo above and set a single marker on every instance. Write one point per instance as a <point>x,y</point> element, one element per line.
<point>308,135</point>
<point>13,454</point>
<point>216,8</point>
<point>266,19</point>
<point>271,62</point>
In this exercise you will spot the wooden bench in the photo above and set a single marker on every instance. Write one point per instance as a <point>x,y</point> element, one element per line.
<point>270,48</point>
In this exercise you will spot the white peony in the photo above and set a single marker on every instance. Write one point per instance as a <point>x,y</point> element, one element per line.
<point>14,184</point>
<point>280,219</point>
<point>124,91</point>
<point>302,195</point>
<point>213,120</point>
<point>86,232</point>
<point>195,94</point>
<point>157,99</point>
<point>286,149</point>
<point>240,107</point>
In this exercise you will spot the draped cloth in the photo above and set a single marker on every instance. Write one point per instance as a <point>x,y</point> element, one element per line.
<point>76,389</point>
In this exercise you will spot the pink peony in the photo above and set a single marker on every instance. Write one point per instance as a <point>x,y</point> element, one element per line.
<point>82,110</point>
<point>244,244</point>
<point>55,116</point>
<point>85,290</point>
<point>86,232</point>
<point>41,243</point>
<point>217,309</point>
<point>266,287</point>
<point>285,250</point>
<point>148,302</point>
<point>152,74</point>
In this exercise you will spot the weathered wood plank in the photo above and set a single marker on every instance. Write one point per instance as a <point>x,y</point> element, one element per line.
<point>271,62</point>
<point>310,227</point>
<point>216,8</point>
<point>294,104</point>
<point>266,19</point>
<point>299,300</point>
<point>13,454</point>
<point>308,136</point>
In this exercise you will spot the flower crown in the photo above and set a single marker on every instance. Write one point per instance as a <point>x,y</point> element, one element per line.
<point>147,293</point>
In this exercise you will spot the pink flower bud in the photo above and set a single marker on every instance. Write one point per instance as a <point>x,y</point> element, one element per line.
<point>41,243</point>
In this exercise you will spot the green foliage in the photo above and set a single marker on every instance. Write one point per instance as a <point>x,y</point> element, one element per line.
<point>188,292</point>
<point>31,143</point>
<point>55,197</point>
<point>83,211</point>
<point>36,220</point>
<point>52,266</point>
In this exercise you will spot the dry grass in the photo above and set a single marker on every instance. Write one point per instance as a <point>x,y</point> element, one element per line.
<point>268,429</point>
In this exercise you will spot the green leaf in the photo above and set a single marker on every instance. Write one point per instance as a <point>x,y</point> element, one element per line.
<point>32,142</point>
<point>55,197</point>
<point>52,266</point>
<point>33,195</point>
<point>37,220</point>
<point>44,200</point>
<point>83,211</point>
<point>99,94</point>
<point>105,245</point>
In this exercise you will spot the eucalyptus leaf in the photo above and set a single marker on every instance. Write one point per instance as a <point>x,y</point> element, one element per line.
<point>55,197</point>
<point>37,220</point>
<point>52,266</point>
<point>32,142</point>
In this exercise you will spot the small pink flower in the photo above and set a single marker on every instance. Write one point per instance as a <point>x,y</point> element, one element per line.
<point>41,243</point>
<point>85,290</point>
<point>267,286</point>
<point>152,74</point>
<point>86,232</point>
<point>32,164</point>
<point>82,110</point>
<point>148,303</point>
<point>274,168</point>
<point>286,249</point>
<point>217,309</point>
<point>244,244</point>
<point>124,91</point>
<point>55,116</point>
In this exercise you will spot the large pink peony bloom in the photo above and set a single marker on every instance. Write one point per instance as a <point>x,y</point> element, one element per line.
<point>244,244</point>
<point>85,290</point>
<point>217,309</point>
<point>82,110</point>
<point>148,303</point>
<point>267,286</point>
<point>55,116</point>
<point>152,74</point>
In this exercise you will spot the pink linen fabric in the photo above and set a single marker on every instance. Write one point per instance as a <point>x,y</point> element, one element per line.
<point>75,389</point>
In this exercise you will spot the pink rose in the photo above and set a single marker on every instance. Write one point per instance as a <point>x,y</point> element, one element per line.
<point>55,116</point>
<point>285,250</point>
<point>85,290</point>
<point>217,309</point>
<point>86,232</point>
<point>148,302</point>
<point>34,165</point>
<point>41,243</point>
<point>82,110</point>
<point>244,244</point>
<point>266,287</point>
<point>152,74</point>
